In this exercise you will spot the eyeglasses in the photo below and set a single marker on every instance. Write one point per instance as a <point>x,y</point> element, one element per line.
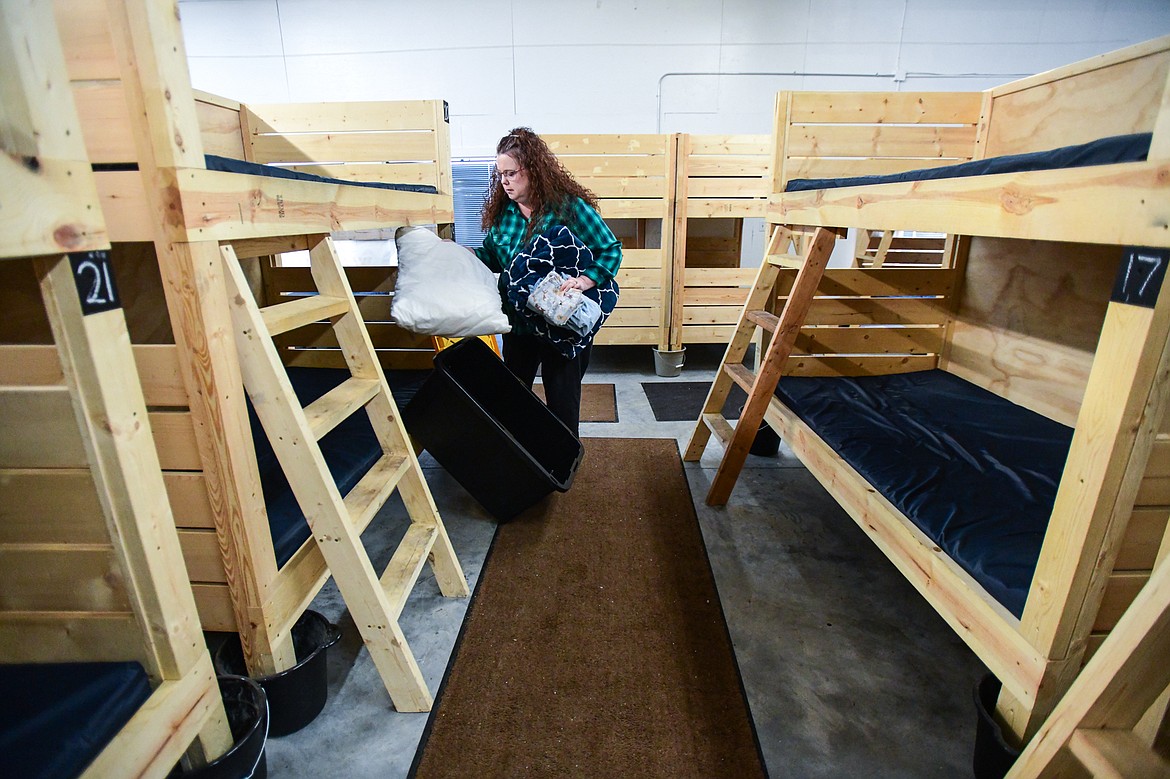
<point>508,175</point>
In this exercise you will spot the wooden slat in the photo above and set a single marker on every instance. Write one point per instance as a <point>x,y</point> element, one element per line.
<point>607,144</point>
<point>1117,753</point>
<point>729,146</point>
<point>804,365</point>
<point>401,574</point>
<point>704,188</point>
<point>228,206</point>
<point>31,580</point>
<point>381,171</point>
<point>337,405</point>
<point>719,277</point>
<point>50,506</point>
<point>954,143</point>
<point>174,438</point>
<point>105,122</point>
<point>356,147</point>
<point>214,604</point>
<point>202,557</point>
<point>630,336</point>
<point>73,637</point>
<point>730,166</point>
<point>1122,588</point>
<point>1143,535</point>
<point>190,503</point>
<point>368,495</point>
<point>40,429</point>
<point>298,312</point>
<point>372,116</point>
<point>831,168</point>
<point>869,340</point>
<point>1122,204</point>
<point>599,166</point>
<point>841,282</point>
<point>716,208</point>
<point>876,107</point>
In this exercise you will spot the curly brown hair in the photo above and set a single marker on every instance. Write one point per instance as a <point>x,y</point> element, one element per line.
<point>551,187</point>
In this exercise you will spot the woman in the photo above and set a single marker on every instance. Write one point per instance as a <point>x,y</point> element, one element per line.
<point>531,192</point>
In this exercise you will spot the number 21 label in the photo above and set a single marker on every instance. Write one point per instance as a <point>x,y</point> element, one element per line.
<point>95,281</point>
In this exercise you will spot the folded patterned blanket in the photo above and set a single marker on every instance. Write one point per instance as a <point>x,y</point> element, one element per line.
<point>554,249</point>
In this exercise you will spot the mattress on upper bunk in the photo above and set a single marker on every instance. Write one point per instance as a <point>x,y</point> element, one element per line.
<point>57,717</point>
<point>1104,151</point>
<point>230,165</point>
<point>349,450</point>
<point>976,473</point>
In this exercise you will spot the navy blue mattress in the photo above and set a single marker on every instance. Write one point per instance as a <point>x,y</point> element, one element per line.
<point>229,165</point>
<point>349,449</point>
<point>976,473</point>
<point>1105,151</point>
<point>57,717</point>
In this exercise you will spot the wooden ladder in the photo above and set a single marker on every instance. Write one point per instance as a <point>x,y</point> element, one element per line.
<point>1093,724</point>
<point>336,521</point>
<point>759,386</point>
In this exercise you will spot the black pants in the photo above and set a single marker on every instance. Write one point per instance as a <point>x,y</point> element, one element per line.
<point>524,353</point>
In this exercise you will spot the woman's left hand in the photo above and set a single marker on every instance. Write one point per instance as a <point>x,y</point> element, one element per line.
<point>578,282</point>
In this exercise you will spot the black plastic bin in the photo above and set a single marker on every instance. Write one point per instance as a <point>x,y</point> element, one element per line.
<point>297,694</point>
<point>490,432</point>
<point>247,712</point>
<point>994,756</point>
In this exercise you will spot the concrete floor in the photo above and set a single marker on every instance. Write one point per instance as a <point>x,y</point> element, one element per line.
<point>848,671</point>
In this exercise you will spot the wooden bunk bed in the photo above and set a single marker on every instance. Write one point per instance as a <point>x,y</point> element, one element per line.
<point>102,661</point>
<point>722,180</point>
<point>633,177</point>
<point>184,233</point>
<point>1051,317</point>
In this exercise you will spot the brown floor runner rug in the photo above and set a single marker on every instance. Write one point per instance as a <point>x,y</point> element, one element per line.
<point>595,644</point>
<point>598,402</point>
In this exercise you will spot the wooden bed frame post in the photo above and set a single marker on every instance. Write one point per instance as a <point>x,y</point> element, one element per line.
<point>1106,462</point>
<point>672,284</point>
<point>157,87</point>
<point>1094,723</point>
<point>98,368</point>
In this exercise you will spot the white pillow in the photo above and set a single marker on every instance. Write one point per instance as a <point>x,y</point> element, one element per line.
<point>444,289</point>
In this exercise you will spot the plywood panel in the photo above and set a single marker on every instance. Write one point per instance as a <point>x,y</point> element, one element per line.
<point>1060,109</point>
<point>1026,332</point>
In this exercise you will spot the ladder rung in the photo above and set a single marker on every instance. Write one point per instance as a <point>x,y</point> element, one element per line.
<point>741,375</point>
<point>402,572</point>
<point>1116,753</point>
<point>301,311</point>
<point>786,260</point>
<point>765,320</point>
<point>368,495</point>
<point>719,427</point>
<point>336,405</point>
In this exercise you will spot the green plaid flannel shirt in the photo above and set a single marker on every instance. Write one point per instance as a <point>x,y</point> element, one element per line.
<point>505,238</point>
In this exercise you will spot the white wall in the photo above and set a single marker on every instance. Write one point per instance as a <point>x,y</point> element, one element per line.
<point>638,66</point>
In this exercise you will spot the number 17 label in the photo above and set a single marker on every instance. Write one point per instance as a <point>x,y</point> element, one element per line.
<point>1139,279</point>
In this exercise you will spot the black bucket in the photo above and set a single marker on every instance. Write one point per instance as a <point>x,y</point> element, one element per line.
<point>767,441</point>
<point>296,695</point>
<point>994,756</point>
<point>247,713</point>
